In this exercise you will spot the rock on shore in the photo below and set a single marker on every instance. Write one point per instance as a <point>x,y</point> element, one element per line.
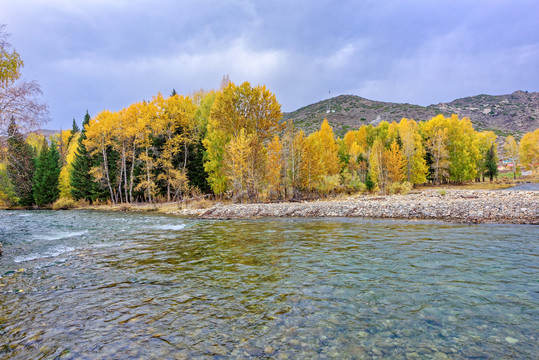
<point>464,206</point>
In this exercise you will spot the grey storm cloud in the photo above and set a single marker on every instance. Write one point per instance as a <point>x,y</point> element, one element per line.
<point>106,54</point>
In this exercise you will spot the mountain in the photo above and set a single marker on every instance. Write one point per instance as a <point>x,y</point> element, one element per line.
<point>47,133</point>
<point>516,113</point>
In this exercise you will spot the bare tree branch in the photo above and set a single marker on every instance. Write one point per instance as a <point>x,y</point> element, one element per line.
<point>19,99</point>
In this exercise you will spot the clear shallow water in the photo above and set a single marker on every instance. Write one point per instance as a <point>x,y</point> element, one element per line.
<point>526,187</point>
<point>100,285</point>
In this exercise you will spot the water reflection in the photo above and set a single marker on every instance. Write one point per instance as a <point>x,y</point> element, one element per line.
<point>139,286</point>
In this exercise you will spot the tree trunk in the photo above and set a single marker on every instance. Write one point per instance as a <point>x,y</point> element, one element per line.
<point>124,166</point>
<point>131,181</point>
<point>168,190</point>
<point>105,162</point>
<point>148,176</point>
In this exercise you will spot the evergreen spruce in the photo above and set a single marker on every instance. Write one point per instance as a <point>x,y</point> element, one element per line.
<point>74,130</point>
<point>370,185</point>
<point>491,164</point>
<point>46,175</point>
<point>195,168</point>
<point>81,181</point>
<point>20,165</point>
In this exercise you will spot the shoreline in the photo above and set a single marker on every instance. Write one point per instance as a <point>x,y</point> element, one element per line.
<point>459,206</point>
<point>453,206</point>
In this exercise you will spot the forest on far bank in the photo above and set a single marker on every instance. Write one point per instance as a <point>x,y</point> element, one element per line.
<point>232,143</point>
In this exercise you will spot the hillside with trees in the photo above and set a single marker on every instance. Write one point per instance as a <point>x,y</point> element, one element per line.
<point>512,114</point>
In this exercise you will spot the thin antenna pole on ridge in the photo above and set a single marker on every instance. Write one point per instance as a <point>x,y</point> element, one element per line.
<point>329,103</point>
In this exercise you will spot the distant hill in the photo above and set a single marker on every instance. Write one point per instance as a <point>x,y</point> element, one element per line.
<point>516,113</point>
<point>47,133</point>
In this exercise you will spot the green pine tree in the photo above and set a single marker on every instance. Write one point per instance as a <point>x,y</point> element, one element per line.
<point>74,130</point>
<point>20,165</point>
<point>82,183</point>
<point>370,185</point>
<point>491,164</point>
<point>46,176</point>
<point>195,168</point>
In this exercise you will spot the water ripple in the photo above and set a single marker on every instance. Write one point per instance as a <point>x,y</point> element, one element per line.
<point>145,286</point>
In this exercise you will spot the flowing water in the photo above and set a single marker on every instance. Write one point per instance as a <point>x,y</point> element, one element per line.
<point>93,285</point>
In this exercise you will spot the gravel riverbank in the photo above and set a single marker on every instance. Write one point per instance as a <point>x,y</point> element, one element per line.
<point>463,206</point>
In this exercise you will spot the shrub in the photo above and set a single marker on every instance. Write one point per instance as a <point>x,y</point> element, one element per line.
<point>82,203</point>
<point>356,184</point>
<point>442,192</point>
<point>400,188</point>
<point>64,204</point>
<point>328,184</point>
<point>201,204</point>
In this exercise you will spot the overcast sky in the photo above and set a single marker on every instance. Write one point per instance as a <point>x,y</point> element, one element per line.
<point>107,54</point>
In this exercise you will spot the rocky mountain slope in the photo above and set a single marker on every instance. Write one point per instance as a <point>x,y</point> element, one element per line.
<point>515,113</point>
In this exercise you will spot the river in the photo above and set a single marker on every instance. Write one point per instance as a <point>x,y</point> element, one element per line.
<point>97,285</point>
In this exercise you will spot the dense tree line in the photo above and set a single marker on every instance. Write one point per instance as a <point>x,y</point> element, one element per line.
<point>233,144</point>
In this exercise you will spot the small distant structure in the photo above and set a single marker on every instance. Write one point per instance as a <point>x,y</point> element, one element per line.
<point>328,107</point>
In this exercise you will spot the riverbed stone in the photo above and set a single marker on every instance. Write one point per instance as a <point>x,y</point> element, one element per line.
<point>362,334</point>
<point>464,206</point>
<point>511,340</point>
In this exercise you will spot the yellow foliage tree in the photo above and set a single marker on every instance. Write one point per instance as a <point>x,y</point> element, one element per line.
<point>463,149</point>
<point>257,112</point>
<point>312,166</point>
<point>64,184</point>
<point>149,112</point>
<point>328,149</point>
<point>176,124</point>
<point>461,144</point>
<point>238,152</point>
<point>293,148</point>
<point>99,136</point>
<point>64,141</point>
<point>529,149</point>
<point>394,163</point>
<point>376,164</point>
<point>437,145</point>
<point>413,150</point>
<point>274,166</point>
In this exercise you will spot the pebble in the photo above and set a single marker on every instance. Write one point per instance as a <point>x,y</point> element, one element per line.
<point>464,206</point>
<point>511,340</point>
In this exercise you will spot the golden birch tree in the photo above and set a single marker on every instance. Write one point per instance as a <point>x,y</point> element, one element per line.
<point>274,164</point>
<point>529,150</point>
<point>394,163</point>
<point>257,112</point>
<point>99,137</point>
<point>437,145</point>
<point>238,152</point>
